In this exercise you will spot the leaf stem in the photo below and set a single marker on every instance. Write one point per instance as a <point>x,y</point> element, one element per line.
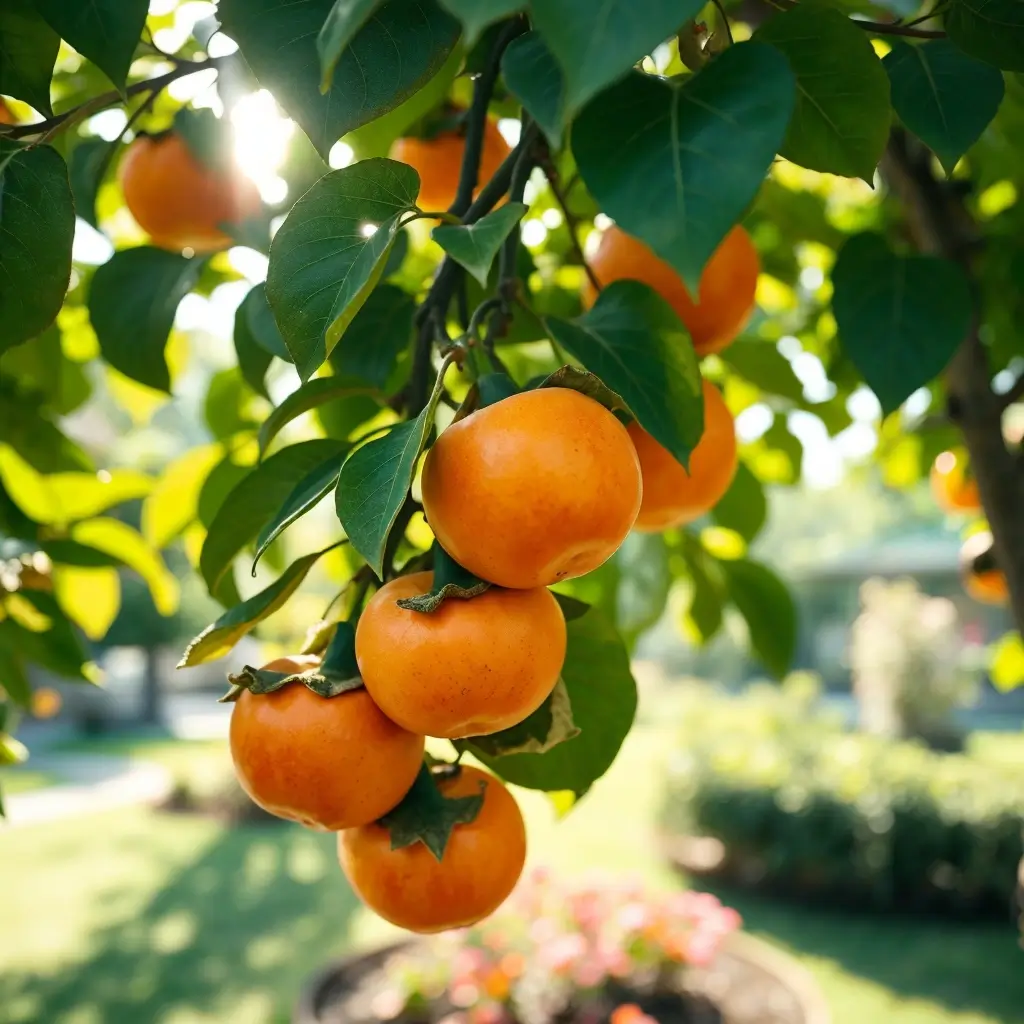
<point>562,198</point>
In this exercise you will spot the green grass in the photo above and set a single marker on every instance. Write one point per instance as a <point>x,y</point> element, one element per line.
<point>137,917</point>
<point>24,780</point>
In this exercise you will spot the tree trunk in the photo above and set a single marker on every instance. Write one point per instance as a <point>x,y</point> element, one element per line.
<point>152,702</point>
<point>941,225</point>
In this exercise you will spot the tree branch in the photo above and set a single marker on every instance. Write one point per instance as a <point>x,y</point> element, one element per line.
<point>1015,394</point>
<point>561,197</point>
<point>61,122</point>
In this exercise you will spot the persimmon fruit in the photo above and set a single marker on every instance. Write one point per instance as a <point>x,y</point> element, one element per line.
<point>327,762</point>
<point>673,495</point>
<point>177,200</point>
<point>725,297</point>
<point>6,117</point>
<point>953,486</point>
<point>411,888</point>
<point>539,487</point>
<point>438,161</point>
<point>469,668</point>
<point>985,584</point>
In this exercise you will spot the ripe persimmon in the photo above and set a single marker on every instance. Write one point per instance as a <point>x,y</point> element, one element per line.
<point>411,888</point>
<point>673,495</point>
<point>469,668</point>
<point>438,161</point>
<point>725,298</point>
<point>537,488</point>
<point>327,762</point>
<point>954,488</point>
<point>982,578</point>
<point>177,200</point>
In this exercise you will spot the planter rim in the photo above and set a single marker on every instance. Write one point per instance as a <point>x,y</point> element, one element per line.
<point>745,947</point>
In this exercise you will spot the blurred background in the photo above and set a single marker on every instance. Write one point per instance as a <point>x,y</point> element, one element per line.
<point>863,815</point>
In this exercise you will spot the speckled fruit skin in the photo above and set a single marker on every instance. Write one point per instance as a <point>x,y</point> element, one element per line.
<point>327,762</point>
<point>412,889</point>
<point>537,488</point>
<point>179,202</point>
<point>438,161</point>
<point>470,668</point>
<point>726,296</point>
<point>673,496</point>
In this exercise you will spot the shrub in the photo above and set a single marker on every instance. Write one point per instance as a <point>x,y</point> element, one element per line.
<point>804,808</point>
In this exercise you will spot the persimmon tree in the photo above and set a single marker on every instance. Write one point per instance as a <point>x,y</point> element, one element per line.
<point>869,150</point>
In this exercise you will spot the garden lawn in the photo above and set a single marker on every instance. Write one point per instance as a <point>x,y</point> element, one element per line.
<point>136,917</point>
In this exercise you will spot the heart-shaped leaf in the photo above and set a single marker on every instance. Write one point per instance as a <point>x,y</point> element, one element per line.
<point>393,54</point>
<point>676,164</point>
<point>376,479</point>
<point>943,96</point>
<point>308,492</point>
<point>842,115</point>
<point>474,246</point>
<point>37,227</point>
<point>132,303</point>
<point>595,46</point>
<point>900,318</point>
<point>331,251</point>
<point>535,78</point>
<point>636,344</point>
<point>991,30</point>
<point>104,31</point>
<point>219,638</point>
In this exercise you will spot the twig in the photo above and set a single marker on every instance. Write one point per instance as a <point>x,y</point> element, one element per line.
<point>725,20</point>
<point>476,117</point>
<point>562,198</point>
<point>61,122</point>
<point>108,157</point>
<point>882,28</point>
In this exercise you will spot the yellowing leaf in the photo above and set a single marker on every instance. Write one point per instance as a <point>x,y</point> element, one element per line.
<point>90,597</point>
<point>67,497</point>
<point>116,538</point>
<point>25,614</point>
<point>1007,670</point>
<point>173,503</point>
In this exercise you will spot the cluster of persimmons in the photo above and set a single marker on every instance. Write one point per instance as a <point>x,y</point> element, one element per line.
<point>535,489</point>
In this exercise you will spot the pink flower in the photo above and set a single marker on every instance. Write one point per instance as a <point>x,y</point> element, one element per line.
<point>589,974</point>
<point>635,917</point>
<point>701,948</point>
<point>561,954</point>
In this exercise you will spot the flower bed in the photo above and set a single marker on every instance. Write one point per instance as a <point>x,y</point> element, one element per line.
<point>573,955</point>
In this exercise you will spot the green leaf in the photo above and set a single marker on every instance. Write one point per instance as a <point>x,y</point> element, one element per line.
<point>572,608</point>
<point>643,583</point>
<point>702,146</point>
<point>262,325</point>
<point>28,51</point>
<point>174,502</point>
<point>37,227</point>
<point>743,507</point>
<point>602,694</point>
<point>132,303</point>
<point>85,168</point>
<point>308,492</point>
<point>323,264</point>
<point>533,76</point>
<point>1007,668</point>
<point>705,611</point>
<point>589,384</point>
<point>60,498</point>
<point>991,30</point>
<point>474,246</point>
<point>451,580</point>
<point>761,363</point>
<point>253,360</point>
<point>633,341</point>
<point>426,816</point>
<point>595,46</point>
<point>310,395</point>
<point>254,500</point>
<point>91,598</point>
<point>767,605</point>
<point>204,135</point>
<point>218,639</point>
<point>338,673</point>
<point>378,334</point>
<point>476,15</point>
<point>396,52</point>
<point>552,723</point>
<point>227,407</point>
<point>376,479</point>
<point>56,648</point>
<point>900,318</point>
<point>943,96</point>
<point>841,121</point>
<point>130,548</point>
<point>343,23</point>
<point>13,680</point>
<point>104,31</point>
